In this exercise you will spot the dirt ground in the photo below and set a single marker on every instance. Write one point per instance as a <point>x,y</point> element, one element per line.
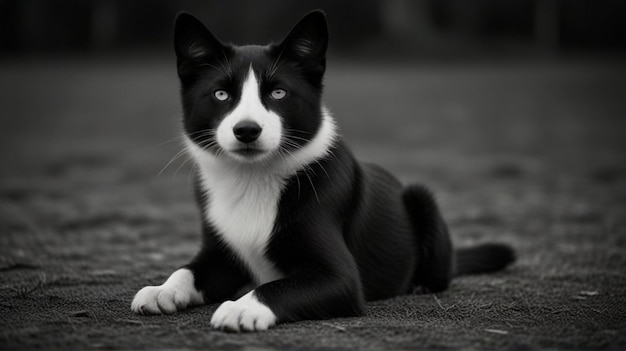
<point>530,154</point>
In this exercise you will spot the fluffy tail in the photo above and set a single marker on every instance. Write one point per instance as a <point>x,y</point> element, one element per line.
<point>483,259</point>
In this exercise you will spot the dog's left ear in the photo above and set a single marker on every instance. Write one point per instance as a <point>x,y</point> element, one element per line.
<point>307,41</point>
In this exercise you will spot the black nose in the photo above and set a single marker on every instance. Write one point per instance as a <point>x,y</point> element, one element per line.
<point>247,131</point>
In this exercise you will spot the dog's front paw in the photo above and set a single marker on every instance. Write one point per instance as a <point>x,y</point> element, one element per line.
<point>176,294</point>
<point>158,300</point>
<point>244,315</point>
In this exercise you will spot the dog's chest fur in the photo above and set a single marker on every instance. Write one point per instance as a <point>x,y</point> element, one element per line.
<point>242,204</point>
<point>242,199</point>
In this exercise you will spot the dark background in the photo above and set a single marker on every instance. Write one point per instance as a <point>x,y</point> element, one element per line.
<point>420,27</point>
<point>512,112</point>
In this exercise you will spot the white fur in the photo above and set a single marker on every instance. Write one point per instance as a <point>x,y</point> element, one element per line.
<point>245,314</point>
<point>243,196</point>
<point>317,148</point>
<point>176,294</point>
<point>250,108</point>
<point>243,203</point>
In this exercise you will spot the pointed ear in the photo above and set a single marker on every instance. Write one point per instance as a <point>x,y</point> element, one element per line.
<point>308,40</point>
<point>193,41</point>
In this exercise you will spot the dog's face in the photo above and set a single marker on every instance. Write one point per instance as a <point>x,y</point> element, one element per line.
<point>251,103</point>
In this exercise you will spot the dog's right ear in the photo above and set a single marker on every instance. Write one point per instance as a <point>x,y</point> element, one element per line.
<point>193,42</point>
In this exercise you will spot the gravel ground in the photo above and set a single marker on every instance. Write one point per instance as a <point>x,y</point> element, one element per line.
<point>530,154</point>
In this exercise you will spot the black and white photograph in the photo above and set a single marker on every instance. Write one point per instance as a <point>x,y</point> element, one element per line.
<point>312,175</point>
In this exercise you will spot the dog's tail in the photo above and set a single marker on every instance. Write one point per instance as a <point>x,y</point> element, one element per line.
<point>484,258</point>
<point>438,262</point>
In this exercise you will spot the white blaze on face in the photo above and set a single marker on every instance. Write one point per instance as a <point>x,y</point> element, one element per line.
<point>251,109</point>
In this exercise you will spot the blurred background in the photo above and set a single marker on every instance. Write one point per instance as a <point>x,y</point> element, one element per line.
<point>421,27</point>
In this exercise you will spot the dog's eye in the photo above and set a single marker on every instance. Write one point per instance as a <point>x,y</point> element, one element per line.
<point>278,94</point>
<point>221,95</point>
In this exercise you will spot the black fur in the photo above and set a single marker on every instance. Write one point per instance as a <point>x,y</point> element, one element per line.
<point>346,232</point>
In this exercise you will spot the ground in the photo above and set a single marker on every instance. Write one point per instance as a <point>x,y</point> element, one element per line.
<point>532,154</point>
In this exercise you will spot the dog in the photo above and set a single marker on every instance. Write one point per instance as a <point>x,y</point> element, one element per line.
<point>294,227</point>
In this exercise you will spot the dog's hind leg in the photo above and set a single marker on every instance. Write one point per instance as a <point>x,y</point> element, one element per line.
<point>435,257</point>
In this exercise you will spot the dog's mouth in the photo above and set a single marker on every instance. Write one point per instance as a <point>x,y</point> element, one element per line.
<point>249,152</point>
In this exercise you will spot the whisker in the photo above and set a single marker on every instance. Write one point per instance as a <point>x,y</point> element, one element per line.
<point>174,158</point>
<point>291,143</point>
<point>209,131</point>
<point>209,144</point>
<point>181,165</point>
<point>305,170</point>
<point>229,69</point>
<point>204,134</point>
<point>280,151</point>
<point>296,138</point>
<point>312,186</point>
<point>213,145</point>
<point>220,69</point>
<point>192,172</point>
<point>298,131</point>
<point>323,169</point>
<point>275,66</point>
<point>172,139</point>
<point>183,135</point>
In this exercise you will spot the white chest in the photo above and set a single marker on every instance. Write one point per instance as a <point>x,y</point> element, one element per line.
<point>243,207</point>
<point>243,198</point>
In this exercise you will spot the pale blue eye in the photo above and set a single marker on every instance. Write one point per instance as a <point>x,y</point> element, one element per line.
<point>221,95</point>
<point>278,94</point>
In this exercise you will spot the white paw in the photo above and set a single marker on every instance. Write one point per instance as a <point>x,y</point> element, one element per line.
<point>158,300</point>
<point>176,294</point>
<point>247,314</point>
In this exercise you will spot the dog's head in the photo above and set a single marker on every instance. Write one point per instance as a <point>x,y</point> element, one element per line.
<point>251,103</point>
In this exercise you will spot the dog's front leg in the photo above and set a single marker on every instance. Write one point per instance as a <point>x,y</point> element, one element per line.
<point>324,283</point>
<point>212,276</point>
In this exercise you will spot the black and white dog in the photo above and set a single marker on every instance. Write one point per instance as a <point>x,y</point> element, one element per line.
<point>293,226</point>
